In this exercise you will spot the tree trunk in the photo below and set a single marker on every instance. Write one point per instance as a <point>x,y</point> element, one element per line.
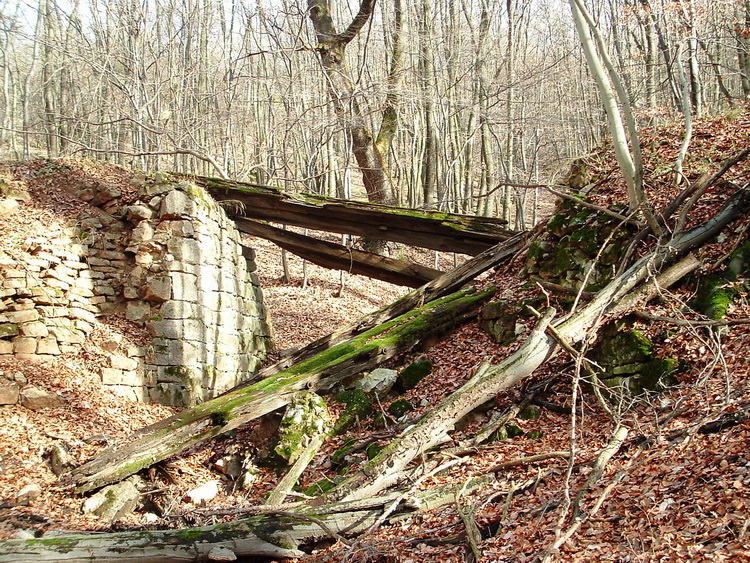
<point>240,406</point>
<point>388,467</point>
<point>331,48</point>
<point>274,534</point>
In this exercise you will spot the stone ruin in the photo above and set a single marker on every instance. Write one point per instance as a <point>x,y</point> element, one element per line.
<point>171,262</point>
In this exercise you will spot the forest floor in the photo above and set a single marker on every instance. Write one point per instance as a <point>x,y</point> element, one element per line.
<point>685,497</point>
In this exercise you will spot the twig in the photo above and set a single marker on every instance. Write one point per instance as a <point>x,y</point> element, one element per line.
<point>473,537</point>
<point>619,436</point>
<point>687,322</point>
<point>596,207</point>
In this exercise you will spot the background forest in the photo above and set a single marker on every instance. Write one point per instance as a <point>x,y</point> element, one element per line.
<point>468,102</point>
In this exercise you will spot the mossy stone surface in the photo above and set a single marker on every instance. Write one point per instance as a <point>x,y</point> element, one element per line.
<point>530,412</point>
<point>306,416</point>
<point>400,407</point>
<point>534,434</point>
<point>358,407</point>
<point>373,450</point>
<point>415,372</point>
<point>341,458</point>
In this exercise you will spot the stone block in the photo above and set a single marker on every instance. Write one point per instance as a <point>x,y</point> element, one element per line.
<point>36,399</point>
<point>9,392</point>
<point>111,255</point>
<point>158,290</point>
<point>83,314</point>
<point>142,233</point>
<point>48,346</point>
<point>113,502</point>
<point>59,284</point>
<point>178,310</point>
<point>124,363</point>
<point>35,329</point>
<point>185,285</point>
<point>186,250</point>
<point>182,228</point>
<point>135,213</point>
<point>14,273</point>
<point>8,330</point>
<point>170,328</point>
<point>176,205</point>
<point>7,206</point>
<point>24,345</point>
<point>112,376</point>
<point>67,335</point>
<point>137,311</point>
<point>6,347</point>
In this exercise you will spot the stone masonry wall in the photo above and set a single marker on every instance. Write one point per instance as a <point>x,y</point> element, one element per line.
<point>172,262</point>
<point>195,292</point>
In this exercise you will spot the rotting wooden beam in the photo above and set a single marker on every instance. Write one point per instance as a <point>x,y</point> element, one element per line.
<point>340,257</point>
<point>427,229</point>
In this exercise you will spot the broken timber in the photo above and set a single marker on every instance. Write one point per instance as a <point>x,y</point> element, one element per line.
<point>439,231</point>
<point>273,534</point>
<point>339,257</point>
<point>449,282</point>
<point>319,373</point>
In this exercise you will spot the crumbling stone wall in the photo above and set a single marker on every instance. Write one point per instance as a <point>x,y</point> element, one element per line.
<point>171,262</point>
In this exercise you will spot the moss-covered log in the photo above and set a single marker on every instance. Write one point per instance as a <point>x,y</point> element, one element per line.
<point>439,231</point>
<point>339,257</point>
<point>275,534</point>
<point>388,467</point>
<point>320,372</point>
<point>449,282</point>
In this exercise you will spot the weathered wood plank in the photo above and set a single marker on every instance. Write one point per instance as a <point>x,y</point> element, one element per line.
<point>438,231</point>
<point>339,257</point>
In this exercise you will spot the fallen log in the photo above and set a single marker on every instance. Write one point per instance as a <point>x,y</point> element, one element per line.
<point>236,408</point>
<point>389,466</point>
<point>428,229</point>
<point>275,533</point>
<point>339,257</point>
<point>449,282</point>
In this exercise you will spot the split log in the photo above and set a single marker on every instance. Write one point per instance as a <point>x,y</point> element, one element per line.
<point>320,373</point>
<point>273,534</point>
<point>439,287</point>
<point>339,257</point>
<point>389,466</point>
<point>439,231</point>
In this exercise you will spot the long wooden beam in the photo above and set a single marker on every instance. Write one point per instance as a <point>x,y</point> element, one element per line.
<point>340,257</point>
<point>428,229</point>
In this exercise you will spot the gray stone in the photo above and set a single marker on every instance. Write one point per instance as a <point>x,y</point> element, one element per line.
<point>6,348</point>
<point>221,553</point>
<point>8,330</point>
<point>137,213</point>
<point>204,492</point>
<point>48,346</point>
<point>36,399</point>
<point>137,311</point>
<point>380,381</point>
<point>114,501</point>
<point>177,310</point>
<point>20,316</point>
<point>36,329</point>
<point>111,376</point>
<point>24,345</point>
<point>123,362</point>
<point>9,393</point>
<point>105,193</point>
<point>158,290</point>
<point>59,459</point>
<point>28,494</point>
<point>176,205</point>
<point>187,250</point>
<point>170,328</point>
<point>142,233</point>
<point>67,335</point>
<point>7,206</point>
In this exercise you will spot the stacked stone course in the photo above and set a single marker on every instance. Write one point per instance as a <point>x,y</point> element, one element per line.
<point>171,262</point>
